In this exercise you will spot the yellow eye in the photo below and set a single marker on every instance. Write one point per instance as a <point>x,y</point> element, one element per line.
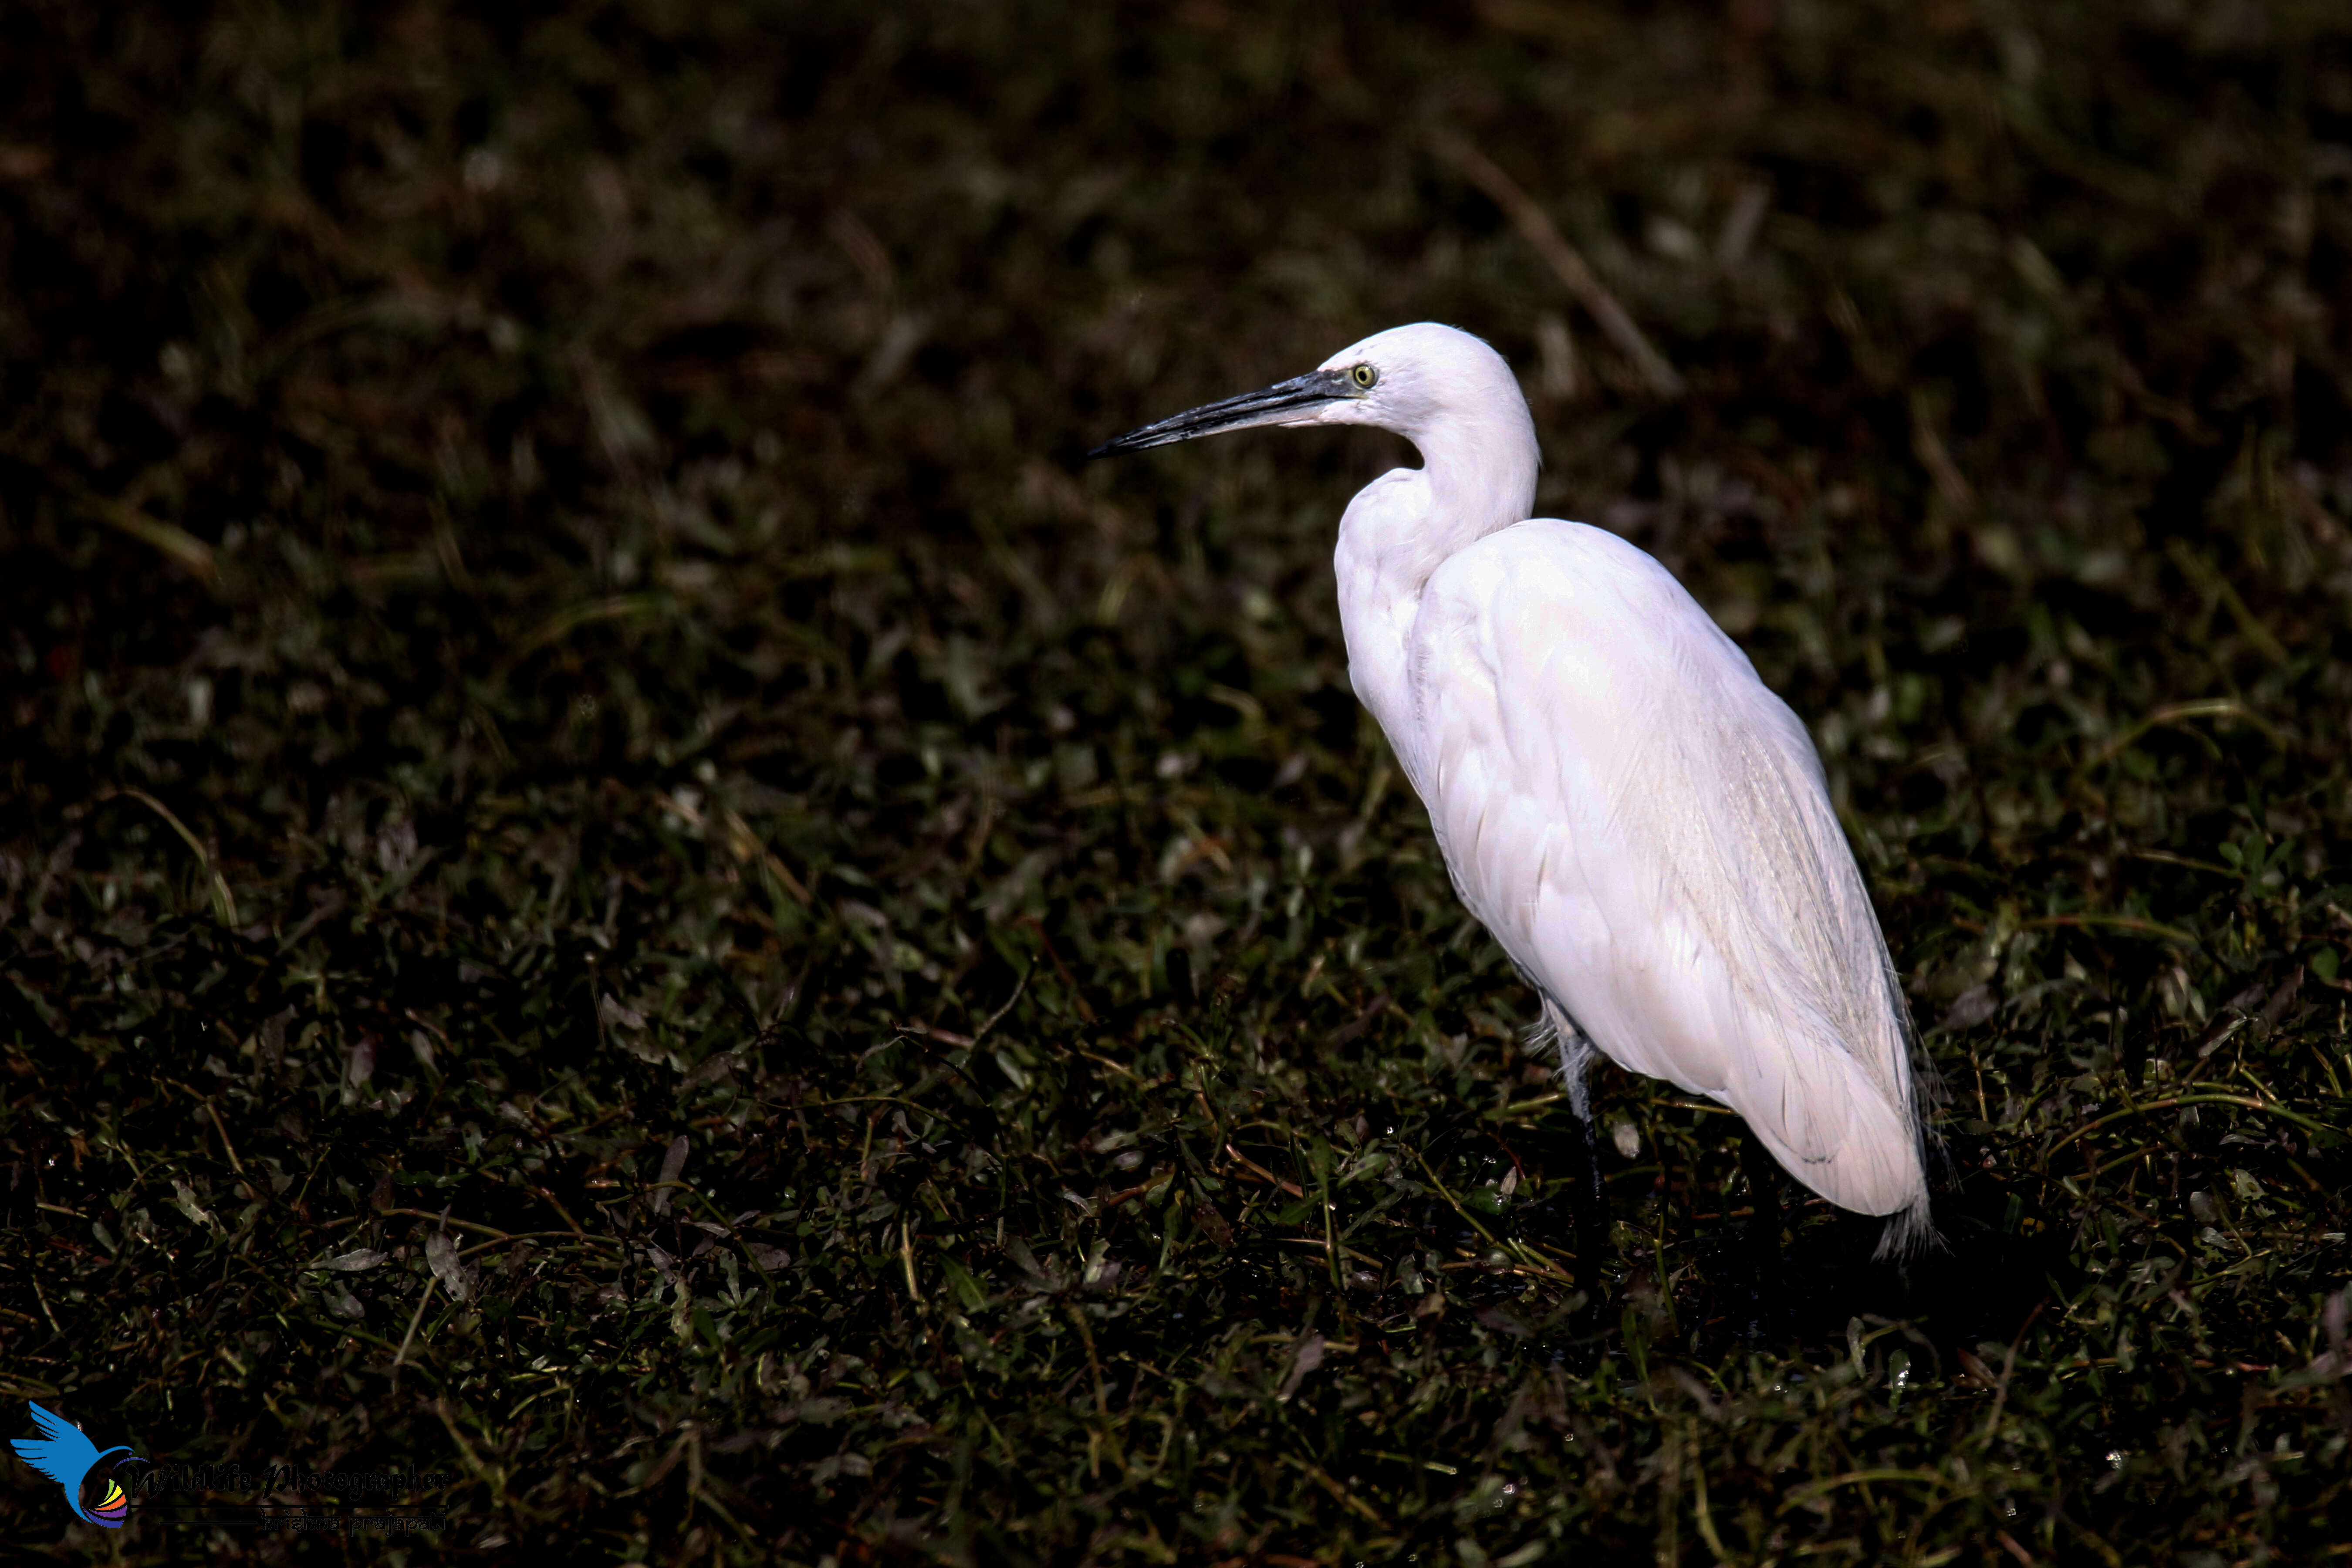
<point>1364,376</point>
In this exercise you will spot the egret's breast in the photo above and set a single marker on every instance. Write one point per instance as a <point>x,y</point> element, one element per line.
<point>1379,566</point>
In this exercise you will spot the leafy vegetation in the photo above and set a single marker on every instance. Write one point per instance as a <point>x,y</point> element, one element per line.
<point>619,875</point>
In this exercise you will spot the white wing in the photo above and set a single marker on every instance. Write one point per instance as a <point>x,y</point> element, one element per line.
<point>1645,828</point>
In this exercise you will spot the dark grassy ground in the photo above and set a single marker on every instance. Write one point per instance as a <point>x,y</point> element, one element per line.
<point>618,876</point>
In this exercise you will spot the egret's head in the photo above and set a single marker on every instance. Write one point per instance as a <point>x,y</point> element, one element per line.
<point>1406,379</point>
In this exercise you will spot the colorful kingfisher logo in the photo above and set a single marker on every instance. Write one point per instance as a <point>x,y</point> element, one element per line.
<point>66,1456</point>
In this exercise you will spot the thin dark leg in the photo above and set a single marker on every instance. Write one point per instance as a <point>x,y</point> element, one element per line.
<point>1593,1253</point>
<point>1592,1250</point>
<point>1767,1304</point>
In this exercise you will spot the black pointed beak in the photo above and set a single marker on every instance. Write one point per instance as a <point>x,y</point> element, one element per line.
<point>1268,406</point>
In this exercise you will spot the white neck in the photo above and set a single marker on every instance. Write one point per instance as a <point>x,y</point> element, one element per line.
<point>1475,477</point>
<point>1474,480</point>
<point>1481,476</point>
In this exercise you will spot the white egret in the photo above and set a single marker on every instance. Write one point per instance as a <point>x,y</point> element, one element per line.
<point>1637,817</point>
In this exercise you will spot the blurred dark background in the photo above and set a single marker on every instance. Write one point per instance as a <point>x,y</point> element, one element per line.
<point>552,618</point>
<point>448,324</point>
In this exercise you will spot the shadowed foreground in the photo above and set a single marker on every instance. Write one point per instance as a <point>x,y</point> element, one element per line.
<point>618,877</point>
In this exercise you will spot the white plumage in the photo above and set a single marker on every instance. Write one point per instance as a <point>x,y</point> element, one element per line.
<point>1635,816</point>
